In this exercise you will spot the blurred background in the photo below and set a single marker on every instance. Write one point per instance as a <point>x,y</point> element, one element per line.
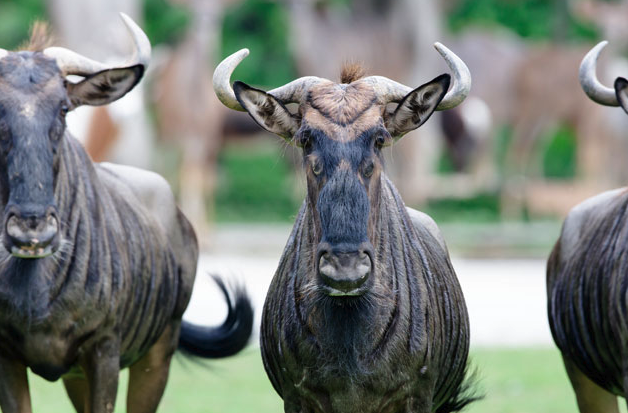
<point>498,173</point>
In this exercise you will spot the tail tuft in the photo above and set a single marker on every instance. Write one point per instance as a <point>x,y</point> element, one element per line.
<point>466,393</point>
<point>228,338</point>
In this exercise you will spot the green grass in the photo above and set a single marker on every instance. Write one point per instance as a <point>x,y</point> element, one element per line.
<point>514,380</point>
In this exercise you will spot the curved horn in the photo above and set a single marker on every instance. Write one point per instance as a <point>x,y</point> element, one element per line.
<point>72,63</point>
<point>391,91</point>
<point>461,82</point>
<point>595,90</point>
<point>292,92</point>
<point>222,79</point>
<point>295,91</point>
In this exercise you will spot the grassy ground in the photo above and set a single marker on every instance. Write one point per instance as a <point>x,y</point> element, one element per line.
<point>514,380</point>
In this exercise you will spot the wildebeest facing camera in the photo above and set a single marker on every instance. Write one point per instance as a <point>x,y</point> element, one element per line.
<point>365,313</point>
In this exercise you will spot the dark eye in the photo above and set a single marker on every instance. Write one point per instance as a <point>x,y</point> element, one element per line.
<point>317,167</point>
<point>383,139</point>
<point>303,139</point>
<point>368,169</point>
<point>64,110</point>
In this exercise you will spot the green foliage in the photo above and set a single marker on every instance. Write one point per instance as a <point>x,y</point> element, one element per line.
<point>255,184</point>
<point>503,139</point>
<point>445,165</point>
<point>534,19</point>
<point>559,158</point>
<point>16,18</point>
<point>479,208</point>
<point>262,27</point>
<point>164,22</point>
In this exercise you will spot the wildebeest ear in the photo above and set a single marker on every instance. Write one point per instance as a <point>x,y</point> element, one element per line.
<point>416,107</point>
<point>621,90</point>
<point>267,111</point>
<point>104,87</point>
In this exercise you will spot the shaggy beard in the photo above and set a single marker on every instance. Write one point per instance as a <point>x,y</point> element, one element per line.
<point>25,284</point>
<point>346,331</point>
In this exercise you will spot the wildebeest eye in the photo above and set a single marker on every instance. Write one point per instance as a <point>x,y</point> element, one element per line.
<point>383,139</point>
<point>368,169</point>
<point>303,139</point>
<point>64,110</point>
<point>317,167</point>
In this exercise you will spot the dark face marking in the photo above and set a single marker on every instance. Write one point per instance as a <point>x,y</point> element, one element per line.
<point>343,191</point>
<point>33,104</point>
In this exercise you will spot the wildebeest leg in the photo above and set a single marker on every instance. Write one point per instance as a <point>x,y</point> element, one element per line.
<point>102,367</point>
<point>591,397</point>
<point>14,395</point>
<point>148,376</point>
<point>78,391</point>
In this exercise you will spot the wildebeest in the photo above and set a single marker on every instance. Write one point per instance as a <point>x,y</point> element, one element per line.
<point>97,262</point>
<point>365,313</point>
<point>587,280</point>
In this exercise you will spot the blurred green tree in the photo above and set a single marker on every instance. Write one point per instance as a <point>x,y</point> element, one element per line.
<point>533,19</point>
<point>165,22</point>
<point>16,18</point>
<point>261,26</point>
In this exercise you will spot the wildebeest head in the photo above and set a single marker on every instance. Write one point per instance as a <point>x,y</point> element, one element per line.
<point>342,129</point>
<point>35,97</point>
<point>617,96</point>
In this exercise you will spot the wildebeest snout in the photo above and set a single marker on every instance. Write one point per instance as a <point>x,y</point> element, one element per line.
<point>345,272</point>
<point>30,235</point>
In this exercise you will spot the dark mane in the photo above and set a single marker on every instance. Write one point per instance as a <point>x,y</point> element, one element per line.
<point>351,71</point>
<point>40,38</point>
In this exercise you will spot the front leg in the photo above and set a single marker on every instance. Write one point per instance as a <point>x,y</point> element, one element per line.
<point>14,395</point>
<point>101,364</point>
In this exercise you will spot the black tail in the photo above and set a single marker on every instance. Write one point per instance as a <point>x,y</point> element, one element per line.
<point>465,393</point>
<point>226,339</point>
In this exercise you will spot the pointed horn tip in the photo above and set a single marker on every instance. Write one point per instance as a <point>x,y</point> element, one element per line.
<point>461,78</point>
<point>592,87</point>
<point>140,36</point>
<point>241,54</point>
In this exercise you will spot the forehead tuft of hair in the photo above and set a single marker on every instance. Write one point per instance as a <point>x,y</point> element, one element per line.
<point>40,38</point>
<point>351,72</point>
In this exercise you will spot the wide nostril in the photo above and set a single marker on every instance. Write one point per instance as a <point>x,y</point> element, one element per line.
<point>13,228</point>
<point>325,266</point>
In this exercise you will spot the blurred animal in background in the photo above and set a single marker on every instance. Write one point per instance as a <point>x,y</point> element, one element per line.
<point>363,31</point>
<point>365,313</point>
<point>120,132</point>
<point>97,262</point>
<point>188,112</point>
<point>587,275</point>
<point>511,79</point>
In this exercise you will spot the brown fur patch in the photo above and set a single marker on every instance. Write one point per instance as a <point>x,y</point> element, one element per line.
<point>40,38</point>
<point>342,104</point>
<point>351,71</point>
<point>342,111</point>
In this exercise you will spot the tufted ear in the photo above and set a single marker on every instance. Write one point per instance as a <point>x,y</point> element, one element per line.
<point>104,87</point>
<point>267,111</point>
<point>416,107</point>
<point>621,90</point>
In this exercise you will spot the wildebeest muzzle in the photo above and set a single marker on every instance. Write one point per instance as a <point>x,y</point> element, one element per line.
<point>31,233</point>
<point>345,272</point>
